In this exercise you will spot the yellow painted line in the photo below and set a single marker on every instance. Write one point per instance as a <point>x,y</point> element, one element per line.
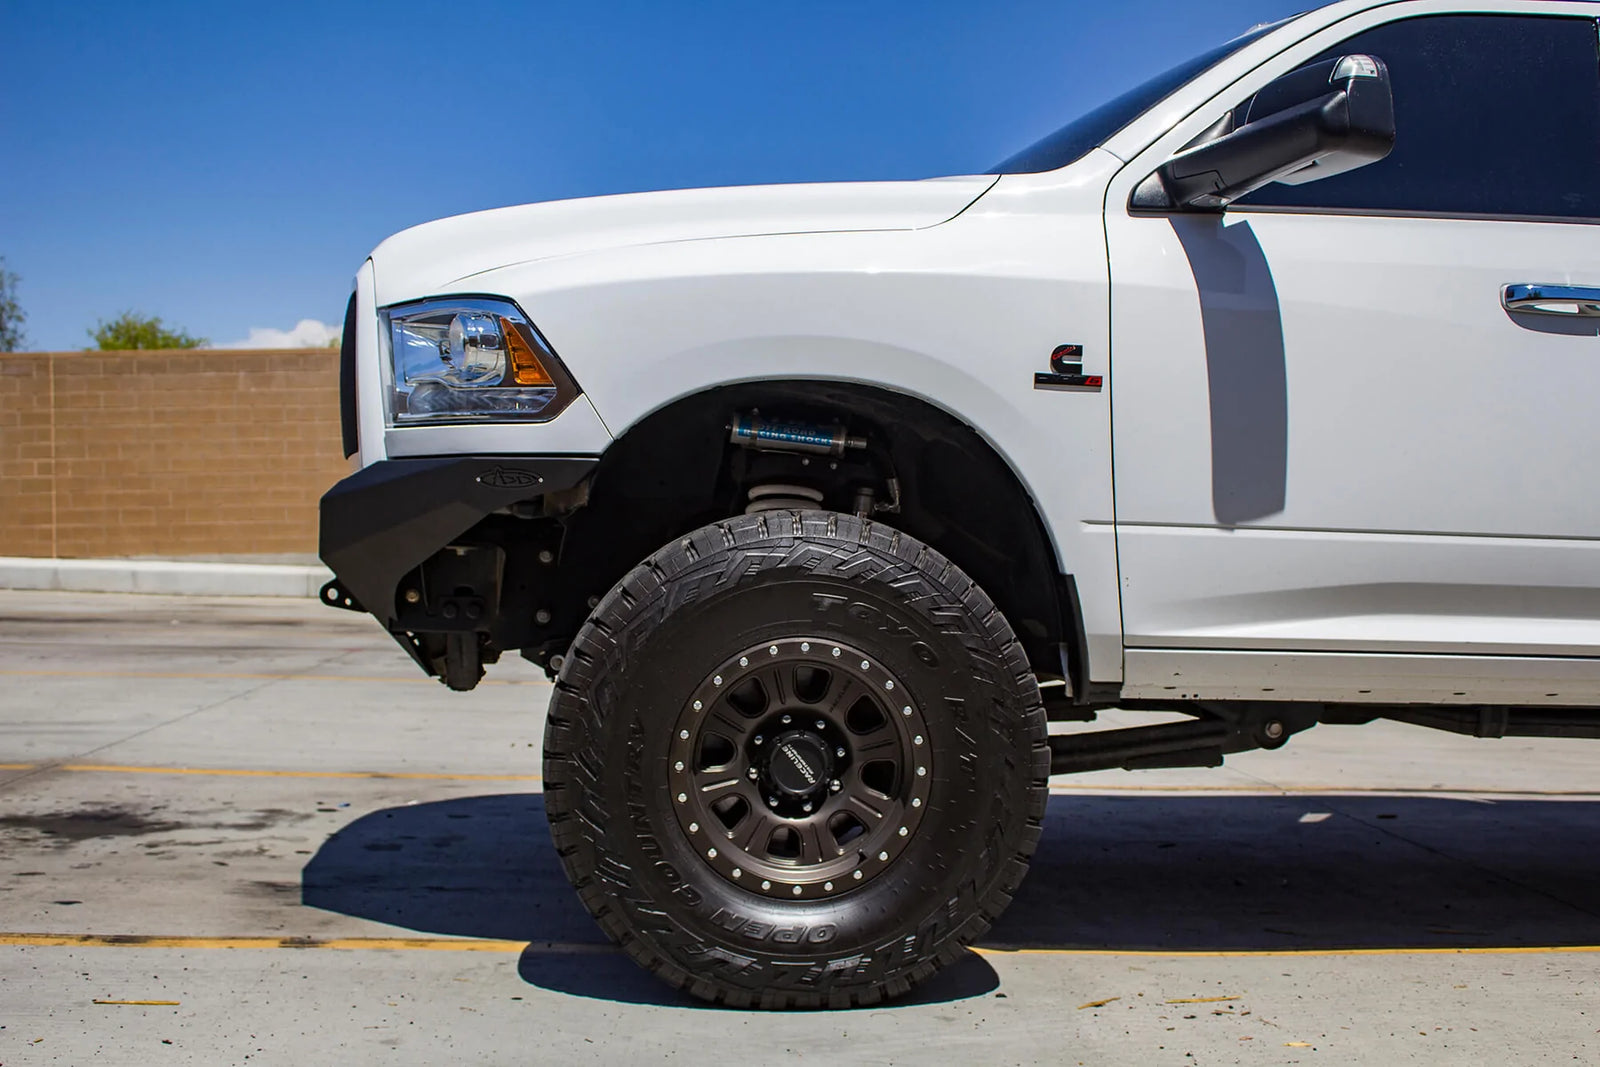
<point>279,676</point>
<point>240,772</point>
<point>146,1003</point>
<point>1064,789</point>
<point>1201,1000</point>
<point>1088,792</point>
<point>459,944</point>
<point>425,944</point>
<point>1269,953</point>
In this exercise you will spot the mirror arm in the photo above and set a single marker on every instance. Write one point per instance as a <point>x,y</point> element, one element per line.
<point>1329,132</point>
<point>1210,176</point>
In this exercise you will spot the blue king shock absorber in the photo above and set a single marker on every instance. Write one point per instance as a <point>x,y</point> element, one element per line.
<point>755,432</point>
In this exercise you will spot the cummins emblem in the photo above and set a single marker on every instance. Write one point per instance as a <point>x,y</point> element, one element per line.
<point>509,478</point>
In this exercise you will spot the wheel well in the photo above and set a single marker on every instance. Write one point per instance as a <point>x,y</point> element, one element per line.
<point>923,471</point>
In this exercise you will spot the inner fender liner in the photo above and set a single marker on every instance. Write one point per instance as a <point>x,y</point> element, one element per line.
<point>384,520</point>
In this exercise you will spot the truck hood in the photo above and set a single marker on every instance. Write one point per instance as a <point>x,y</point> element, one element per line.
<point>436,256</point>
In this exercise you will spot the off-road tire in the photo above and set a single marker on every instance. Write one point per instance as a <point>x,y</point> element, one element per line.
<point>738,584</point>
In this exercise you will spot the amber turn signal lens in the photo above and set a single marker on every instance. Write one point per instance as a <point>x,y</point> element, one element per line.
<point>525,366</point>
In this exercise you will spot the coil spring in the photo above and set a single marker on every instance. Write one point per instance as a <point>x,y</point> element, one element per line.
<point>779,497</point>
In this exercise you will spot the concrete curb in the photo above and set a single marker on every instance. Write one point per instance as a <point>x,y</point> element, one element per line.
<point>171,578</point>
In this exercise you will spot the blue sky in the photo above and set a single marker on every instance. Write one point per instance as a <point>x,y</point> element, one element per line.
<point>227,166</point>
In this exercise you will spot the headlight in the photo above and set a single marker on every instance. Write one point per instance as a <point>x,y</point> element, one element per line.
<point>470,359</point>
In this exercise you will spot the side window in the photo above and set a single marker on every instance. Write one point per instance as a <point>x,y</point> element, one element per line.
<point>1494,115</point>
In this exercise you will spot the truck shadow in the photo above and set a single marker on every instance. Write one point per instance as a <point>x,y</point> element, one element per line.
<point>1129,872</point>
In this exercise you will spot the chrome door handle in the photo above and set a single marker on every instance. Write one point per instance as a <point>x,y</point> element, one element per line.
<point>1538,299</point>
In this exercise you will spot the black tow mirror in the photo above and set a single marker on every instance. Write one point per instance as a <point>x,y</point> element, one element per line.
<point>1312,123</point>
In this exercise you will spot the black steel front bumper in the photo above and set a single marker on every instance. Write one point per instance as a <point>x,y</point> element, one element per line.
<point>383,523</point>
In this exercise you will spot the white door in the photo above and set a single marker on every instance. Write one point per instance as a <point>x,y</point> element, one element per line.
<point>1330,437</point>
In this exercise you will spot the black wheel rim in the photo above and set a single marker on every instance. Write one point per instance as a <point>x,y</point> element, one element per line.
<point>800,768</point>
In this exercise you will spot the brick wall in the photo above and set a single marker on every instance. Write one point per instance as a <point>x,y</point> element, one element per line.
<point>176,453</point>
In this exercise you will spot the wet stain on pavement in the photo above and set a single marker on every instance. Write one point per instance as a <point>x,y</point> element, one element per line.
<point>63,829</point>
<point>264,819</point>
<point>70,827</point>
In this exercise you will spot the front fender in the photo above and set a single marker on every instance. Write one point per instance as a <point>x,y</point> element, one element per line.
<point>961,315</point>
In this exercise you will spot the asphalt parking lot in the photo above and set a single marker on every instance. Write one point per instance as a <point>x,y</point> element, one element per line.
<point>249,830</point>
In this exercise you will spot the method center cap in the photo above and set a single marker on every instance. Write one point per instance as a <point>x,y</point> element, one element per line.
<point>799,764</point>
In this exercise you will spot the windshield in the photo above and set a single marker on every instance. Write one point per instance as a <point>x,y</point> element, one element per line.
<point>1072,141</point>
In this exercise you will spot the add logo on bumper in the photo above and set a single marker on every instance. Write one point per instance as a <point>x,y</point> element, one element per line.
<point>509,478</point>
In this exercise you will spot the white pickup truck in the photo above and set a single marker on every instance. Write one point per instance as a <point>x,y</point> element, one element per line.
<point>1265,393</point>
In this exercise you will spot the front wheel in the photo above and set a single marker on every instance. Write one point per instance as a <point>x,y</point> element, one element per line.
<point>795,759</point>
